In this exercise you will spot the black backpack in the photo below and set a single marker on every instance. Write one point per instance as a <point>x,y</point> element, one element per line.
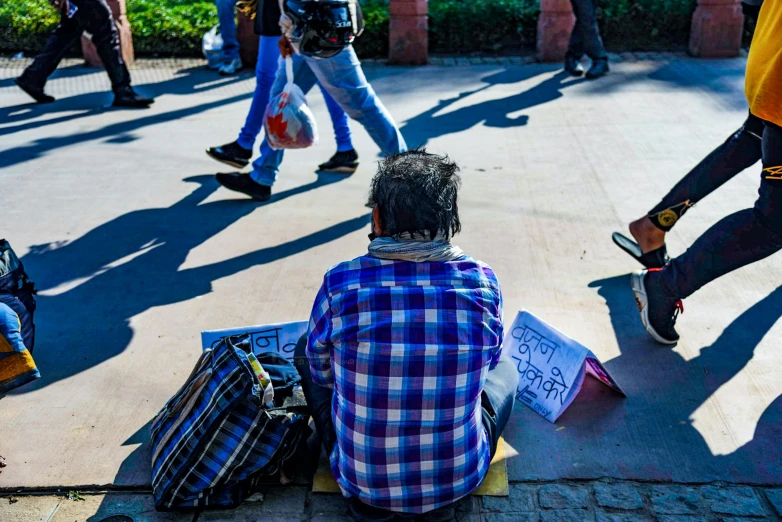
<point>17,292</point>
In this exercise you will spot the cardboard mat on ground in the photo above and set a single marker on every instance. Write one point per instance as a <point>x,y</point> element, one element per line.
<point>494,485</point>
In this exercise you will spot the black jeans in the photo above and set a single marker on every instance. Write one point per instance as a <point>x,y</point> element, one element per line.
<point>585,38</point>
<point>739,152</point>
<point>93,16</point>
<point>499,394</point>
<point>739,239</point>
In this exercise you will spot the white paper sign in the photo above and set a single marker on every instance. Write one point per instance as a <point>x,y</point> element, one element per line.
<point>551,365</point>
<point>280,338</point>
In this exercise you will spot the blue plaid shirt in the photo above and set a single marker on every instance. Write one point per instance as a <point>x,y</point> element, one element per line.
<point>406,347</point>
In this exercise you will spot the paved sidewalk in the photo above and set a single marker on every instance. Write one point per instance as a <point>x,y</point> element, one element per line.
<point>136,250</point>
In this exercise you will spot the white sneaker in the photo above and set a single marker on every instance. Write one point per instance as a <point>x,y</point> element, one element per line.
<point>229,68</point>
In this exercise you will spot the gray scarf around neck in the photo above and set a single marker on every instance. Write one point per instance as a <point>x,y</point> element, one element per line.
<point>416,249</point>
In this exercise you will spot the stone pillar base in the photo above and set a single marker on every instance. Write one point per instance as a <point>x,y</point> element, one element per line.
<point>717,27</point>
<point>554,27</point>
<point>125,37</point>
<point>408,32</point>
<point>248,40</point>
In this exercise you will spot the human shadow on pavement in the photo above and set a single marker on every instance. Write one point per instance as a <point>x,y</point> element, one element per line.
<point>723,78</point>
<point>187,81</point>
<point>653,428</point>
<point>91,288</point>
<point>492,113</point>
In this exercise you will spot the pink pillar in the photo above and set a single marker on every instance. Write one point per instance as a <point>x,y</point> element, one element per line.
<point>408,32</point>
<point>118,11</point>
<point>716,30</point>
<point>554,27</point>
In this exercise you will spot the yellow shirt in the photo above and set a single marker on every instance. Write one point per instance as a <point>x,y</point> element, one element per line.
<point>763,85</point>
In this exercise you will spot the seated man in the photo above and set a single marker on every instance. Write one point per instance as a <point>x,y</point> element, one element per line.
<point>402,367</point>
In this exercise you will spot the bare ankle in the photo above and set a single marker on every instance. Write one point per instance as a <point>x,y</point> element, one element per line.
<point>648,236</point>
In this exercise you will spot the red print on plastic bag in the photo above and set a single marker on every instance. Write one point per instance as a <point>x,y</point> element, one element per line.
<point>289,123</point>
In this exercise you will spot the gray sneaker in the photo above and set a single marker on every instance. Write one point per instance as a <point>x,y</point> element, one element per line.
<point>231,67</point>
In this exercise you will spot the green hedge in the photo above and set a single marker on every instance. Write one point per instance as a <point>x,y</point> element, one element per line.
<point>175,27</point>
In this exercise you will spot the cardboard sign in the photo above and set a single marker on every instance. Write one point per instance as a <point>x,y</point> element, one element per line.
<point>280,338</point>
<point>551,365</point>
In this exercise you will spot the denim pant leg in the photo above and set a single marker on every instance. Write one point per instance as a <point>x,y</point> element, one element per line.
<point>265,71</point>
<point>737,240</point>
<point>318,397</point>
<point>266,167</point>
<point>499,394</point>
<point>588,32</point>
<point>226,15</point>
<point>739,152</point>
<point>339,120</point>
<point>343,78</point>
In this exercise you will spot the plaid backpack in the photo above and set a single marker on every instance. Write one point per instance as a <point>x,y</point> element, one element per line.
<point>214,440</point>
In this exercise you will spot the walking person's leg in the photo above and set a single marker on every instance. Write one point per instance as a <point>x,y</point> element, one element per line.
<point>96,17</point>
<point>586,21</point>
<point>265,73</point>
<point>340,123</point>
<point>226,16</point>
<point>575,49</point>
<point>57,45</point>
<point>238,153</point>
<point>737,240</point>
<point>739,152</point>
<point>344,80</point>
<point>258,183</point>
<point>346,159</point>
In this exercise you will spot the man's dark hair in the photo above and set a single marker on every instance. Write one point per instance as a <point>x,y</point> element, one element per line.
<point>416,192</point>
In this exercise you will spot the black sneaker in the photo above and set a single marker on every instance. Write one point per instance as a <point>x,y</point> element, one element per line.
<point>231,154</point>
<point>36,93</point>
<point>243,183</point>
<point>344,162</point>
<point>599,68</point>
<point>366,513</point>
<point>658,313</point>
<point>573,65</point>
<point>129,98</point>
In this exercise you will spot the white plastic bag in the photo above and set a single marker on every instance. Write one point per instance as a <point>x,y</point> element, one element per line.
<point>289,123</point>
<point>212,47</point>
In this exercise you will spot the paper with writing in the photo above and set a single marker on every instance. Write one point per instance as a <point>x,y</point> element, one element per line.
<point>280,338</point>
<point>551,365</point>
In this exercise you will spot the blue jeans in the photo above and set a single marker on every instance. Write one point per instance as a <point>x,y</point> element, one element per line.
<point>343,78</point>
<point>265,71</point>
<point>226,15</point>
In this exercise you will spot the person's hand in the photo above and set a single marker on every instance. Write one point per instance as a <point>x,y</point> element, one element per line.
<point>286,48</point>
<point>60,5</point>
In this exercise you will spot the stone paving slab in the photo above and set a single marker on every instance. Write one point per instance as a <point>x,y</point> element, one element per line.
<point>136,250</point>
<point>298,504</point>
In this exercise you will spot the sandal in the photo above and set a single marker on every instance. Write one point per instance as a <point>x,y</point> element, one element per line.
<point>656,258</point>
